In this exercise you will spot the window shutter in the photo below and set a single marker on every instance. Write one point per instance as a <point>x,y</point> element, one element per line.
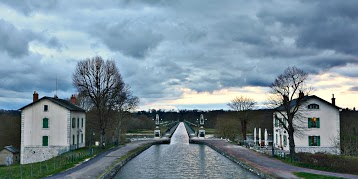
<point>309,122</point>
<point>317,123</point>
<point>318,140</point>
<point>45,123</point>
<point>44,140</point>
<point>309,141</point>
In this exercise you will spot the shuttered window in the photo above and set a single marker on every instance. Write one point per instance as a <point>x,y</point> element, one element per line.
<point>73,122</point>
<point>78,122</point>
<point>82,123</point>
<point>45,123</point>
<point>313,122</point>
<point>44,140</point>
<point>314,140</point>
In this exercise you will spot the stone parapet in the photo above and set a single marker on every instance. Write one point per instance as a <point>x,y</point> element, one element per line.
<point>36,154</point>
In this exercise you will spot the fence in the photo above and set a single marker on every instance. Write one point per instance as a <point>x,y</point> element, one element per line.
<point>48,167</point>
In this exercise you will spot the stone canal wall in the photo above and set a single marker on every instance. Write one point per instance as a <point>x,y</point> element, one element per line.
<point>232,158</point>
<point>110,173</point>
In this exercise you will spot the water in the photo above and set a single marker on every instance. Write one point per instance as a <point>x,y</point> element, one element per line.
<point>181,160</point>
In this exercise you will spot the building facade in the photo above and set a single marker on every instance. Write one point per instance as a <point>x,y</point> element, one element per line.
<point>50,127</point>
<point>317,127</point>
<point>9,151</point>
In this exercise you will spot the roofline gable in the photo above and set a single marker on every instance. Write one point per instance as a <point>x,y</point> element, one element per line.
<point>57,101</point>
<point>305,99</point>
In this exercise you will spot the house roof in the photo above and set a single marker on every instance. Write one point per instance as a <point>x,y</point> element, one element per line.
<point>12,149</point>
<point>305,99</point>
<point>64,103</point>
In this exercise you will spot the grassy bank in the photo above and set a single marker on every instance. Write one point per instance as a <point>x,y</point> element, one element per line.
<point>326,162</point>
<point>51,166</point>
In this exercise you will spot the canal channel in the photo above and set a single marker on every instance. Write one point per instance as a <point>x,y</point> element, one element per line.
<point>180,159</point>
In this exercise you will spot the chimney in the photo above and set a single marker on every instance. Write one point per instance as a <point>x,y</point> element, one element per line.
<point>73,99</point>
<point>301,94</point>
<point>35,96</point>
<point>333,100</point>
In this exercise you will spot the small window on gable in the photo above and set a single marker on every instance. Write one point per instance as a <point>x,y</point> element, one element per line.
<point>313,106</point>
<point>45,107</point>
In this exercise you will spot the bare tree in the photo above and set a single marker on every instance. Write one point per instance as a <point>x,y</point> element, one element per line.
<point>242,105</point>
<point>102,83</point>
<point>288,91</point>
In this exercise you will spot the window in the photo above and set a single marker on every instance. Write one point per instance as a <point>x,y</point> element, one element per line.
<point>276,139</point>
<point>73,139</point>
<point>276,122</point>
<point>313,106</point>
<point>284,140</point>
<point>314,141</point>
<point>82,123</point>
<point>78,122</point>
<point>81,138</point>
<point>44,140</point>
<point>45,107</point>
<point>73,122</point>
<point>45,123</point>
<point>313,122</point>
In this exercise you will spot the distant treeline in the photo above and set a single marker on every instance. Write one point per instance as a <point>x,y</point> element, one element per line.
<point>10,128</point>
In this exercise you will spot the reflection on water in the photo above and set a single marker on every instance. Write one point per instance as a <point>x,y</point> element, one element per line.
<point>182,160</point>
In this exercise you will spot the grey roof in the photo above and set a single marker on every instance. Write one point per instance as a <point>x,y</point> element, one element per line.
<point>64,103</point>
<point>304,99</point>
<point>12,149</point>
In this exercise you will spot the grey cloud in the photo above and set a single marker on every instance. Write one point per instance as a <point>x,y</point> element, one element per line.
<point>130,38</point>
<point>354,88</point>
<point>28,6</point>
<point>15,42</point>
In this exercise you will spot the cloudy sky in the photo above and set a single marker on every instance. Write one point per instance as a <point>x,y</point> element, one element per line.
<point>180,54</point>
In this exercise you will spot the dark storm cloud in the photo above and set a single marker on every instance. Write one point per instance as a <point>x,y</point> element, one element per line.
<point>14,42</point>
<point>128,37</point>
<point>162,47</point>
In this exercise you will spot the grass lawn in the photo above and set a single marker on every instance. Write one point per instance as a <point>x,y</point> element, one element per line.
<point>313,176</point>
<point>51,166</point>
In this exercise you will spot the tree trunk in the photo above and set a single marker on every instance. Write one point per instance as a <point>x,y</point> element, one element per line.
<point>291,140</point>
<point>103,138</point>
<point>243,129</point>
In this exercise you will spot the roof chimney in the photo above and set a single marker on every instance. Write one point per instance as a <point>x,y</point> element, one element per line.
<point>301,94</point>
<point>35,96</point>
<point>333,100</point>
<point>73,99</point>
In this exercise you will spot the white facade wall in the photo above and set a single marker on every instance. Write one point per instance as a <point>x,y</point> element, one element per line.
<point>58,131</point>
<point>78,131</point>
<point>328,131</point>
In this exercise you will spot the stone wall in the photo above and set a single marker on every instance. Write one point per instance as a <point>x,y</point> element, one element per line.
<point>329,150</point>
<point>37,154</point>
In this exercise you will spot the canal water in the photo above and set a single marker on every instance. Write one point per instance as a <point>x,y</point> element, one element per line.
<point>180,159</point>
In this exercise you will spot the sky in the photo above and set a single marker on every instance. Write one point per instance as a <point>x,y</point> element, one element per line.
<point>180,54</point>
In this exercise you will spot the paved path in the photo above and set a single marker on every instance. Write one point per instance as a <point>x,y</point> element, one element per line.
<point>99,164</point>
<point>264,163</point>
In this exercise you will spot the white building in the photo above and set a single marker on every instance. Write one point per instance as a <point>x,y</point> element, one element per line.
<point>50,127</point>
<point>319,127</point>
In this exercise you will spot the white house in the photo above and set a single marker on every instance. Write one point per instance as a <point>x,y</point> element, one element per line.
<point>50,127</point>
<point>319,127</point>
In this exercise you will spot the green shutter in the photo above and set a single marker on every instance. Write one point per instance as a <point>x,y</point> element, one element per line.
<point>309,122</point>
<point>44,140</point>
<point>318,140</point>
<point>317,123</point>
<point>73,122</point>
<point>45,123</point>
<point>309,141</point>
